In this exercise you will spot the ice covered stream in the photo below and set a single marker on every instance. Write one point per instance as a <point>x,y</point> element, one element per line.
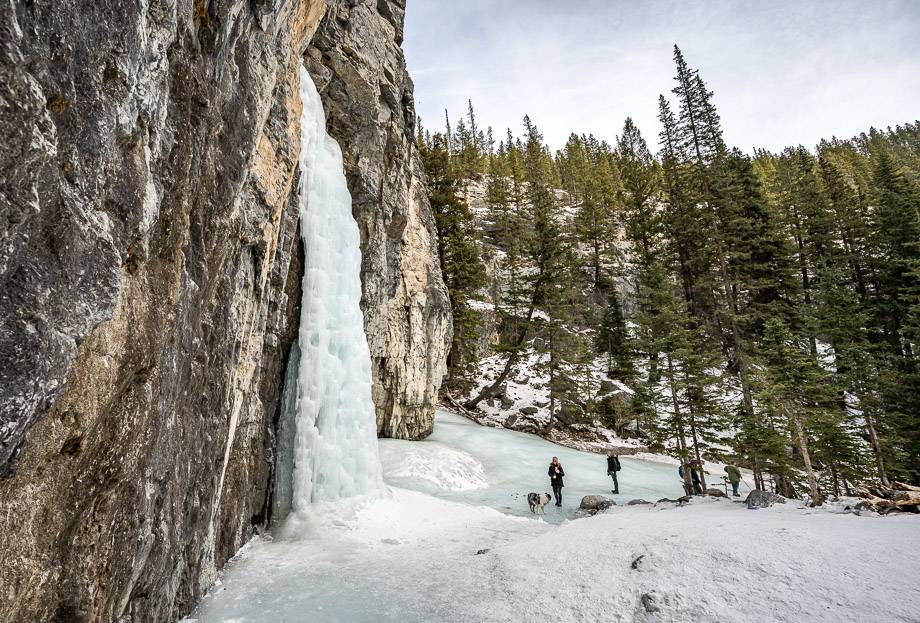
<point>466,462</point>
<point>460,491</point>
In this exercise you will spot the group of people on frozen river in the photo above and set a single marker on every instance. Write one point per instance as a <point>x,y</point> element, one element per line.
<point>557,474</point>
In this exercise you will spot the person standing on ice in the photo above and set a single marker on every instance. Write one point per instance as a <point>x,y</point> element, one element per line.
<point>734,477</point>
<point>697,488</point>
<point>695,469</point>
<point>613,466</point>
<point>556,473</point>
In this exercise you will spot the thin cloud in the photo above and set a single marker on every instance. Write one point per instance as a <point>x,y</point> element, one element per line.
<point>784,73</point>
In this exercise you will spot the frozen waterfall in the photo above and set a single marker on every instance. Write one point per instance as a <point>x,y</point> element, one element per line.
<point>334,445</point>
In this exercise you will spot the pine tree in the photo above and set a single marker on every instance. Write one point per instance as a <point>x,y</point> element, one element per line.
<point>793,387</point>
<point>613,340</point>
<point>565,346</point>
<point>665,327</point>
<point>843,321</point>
<point>543,247</point>
<point>640,183</point>
<point>587,173</point>
<point>459,254</point>
<point>789,281</point>
<point>898,307</point>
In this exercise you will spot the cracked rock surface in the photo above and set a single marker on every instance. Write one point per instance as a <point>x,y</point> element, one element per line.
<point>361,75</point>
<point>150,267</point>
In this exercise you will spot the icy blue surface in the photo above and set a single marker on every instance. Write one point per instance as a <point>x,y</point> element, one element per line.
<point>516,464</point>
<point>284,448</point>
<point>335,442</point>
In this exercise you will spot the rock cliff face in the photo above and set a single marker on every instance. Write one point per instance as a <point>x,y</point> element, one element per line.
<point>150,269</point>
<point>359,69</point>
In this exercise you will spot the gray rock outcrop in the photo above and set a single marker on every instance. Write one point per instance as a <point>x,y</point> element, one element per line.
<point>150,268</point>
<point>593,504</point>
<point>361,75</point>
<point>596,503</point>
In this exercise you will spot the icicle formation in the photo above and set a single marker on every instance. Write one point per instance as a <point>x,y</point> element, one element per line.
<point>335,452</point>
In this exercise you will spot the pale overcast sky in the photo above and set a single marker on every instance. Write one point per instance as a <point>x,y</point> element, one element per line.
<point>784,72</point>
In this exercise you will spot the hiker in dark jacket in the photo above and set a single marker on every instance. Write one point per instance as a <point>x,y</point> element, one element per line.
<point>613,466</point>
<point>734,476</point>
<point>556,473</point>
<point>694,477</point>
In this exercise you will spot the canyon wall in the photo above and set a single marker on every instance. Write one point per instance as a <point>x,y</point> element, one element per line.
<point>150,268</point>
<point>359,69</point>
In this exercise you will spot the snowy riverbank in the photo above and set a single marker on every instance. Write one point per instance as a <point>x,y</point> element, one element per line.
<point>413,556</point>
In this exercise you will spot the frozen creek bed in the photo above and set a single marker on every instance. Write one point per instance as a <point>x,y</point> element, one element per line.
<point>412,556</point>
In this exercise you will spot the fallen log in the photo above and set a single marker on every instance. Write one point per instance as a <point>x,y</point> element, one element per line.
<point>883,500</point>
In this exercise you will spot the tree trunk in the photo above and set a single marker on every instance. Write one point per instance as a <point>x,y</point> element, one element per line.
<point>758,475</point>
<point>803,267</point>
<point>597,263</point>
<point>696,447</point>
<point>681,439</point>
<point>816,498</point>
<point>835,479</point>
<point>551,422</point>
<point>876,450</point>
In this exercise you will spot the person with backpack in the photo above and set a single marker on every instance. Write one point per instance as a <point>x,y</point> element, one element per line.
<point>613,466</point>
<point>734,477</point>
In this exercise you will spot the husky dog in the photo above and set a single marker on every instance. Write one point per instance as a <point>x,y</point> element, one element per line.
<point>538,501</point>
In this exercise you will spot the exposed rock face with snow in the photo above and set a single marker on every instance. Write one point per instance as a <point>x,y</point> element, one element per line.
<point>150,275</point>
<point>360,72</point>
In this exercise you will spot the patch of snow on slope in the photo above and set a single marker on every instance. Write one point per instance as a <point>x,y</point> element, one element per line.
<point>446,468</point>
<point>524,404</point>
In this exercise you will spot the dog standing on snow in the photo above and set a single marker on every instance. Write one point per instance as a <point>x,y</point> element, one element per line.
<point>538,501</point>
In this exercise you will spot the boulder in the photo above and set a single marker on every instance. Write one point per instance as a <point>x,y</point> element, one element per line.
<point>637,502</point>
<point>715,493</point>
<point>596,503</point>
<point>529,410</point>
<point>763,499</point>
<point>507,403</point>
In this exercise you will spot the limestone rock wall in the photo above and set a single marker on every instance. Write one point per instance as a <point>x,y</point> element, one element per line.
<point>150,270</point>
<point>149,279</point>
<point>360,72</point>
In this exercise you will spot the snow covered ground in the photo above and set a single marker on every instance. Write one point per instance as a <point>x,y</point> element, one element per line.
<point>413,555</point>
